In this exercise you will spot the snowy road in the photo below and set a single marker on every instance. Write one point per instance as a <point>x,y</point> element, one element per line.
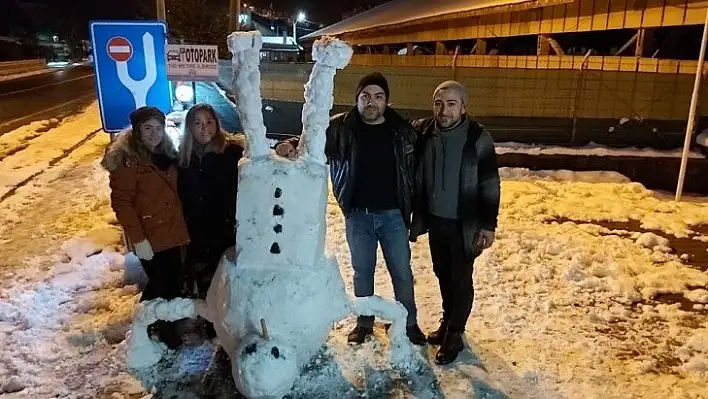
<point>570,309</point>
<point>51,95</point>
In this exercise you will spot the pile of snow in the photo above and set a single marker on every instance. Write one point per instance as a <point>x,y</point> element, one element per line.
<point>562,175</point>
<point>34,316</point>
<point>544,196</point>
<point>694,354</point>
<point>654,242</point>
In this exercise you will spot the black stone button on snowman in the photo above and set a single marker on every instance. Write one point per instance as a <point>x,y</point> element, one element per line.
<point>278,228</point>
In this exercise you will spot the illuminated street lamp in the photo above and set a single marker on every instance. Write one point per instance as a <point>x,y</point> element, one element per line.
<point>300,18</point>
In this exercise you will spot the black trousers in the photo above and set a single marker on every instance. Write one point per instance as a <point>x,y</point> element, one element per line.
<point>453,270</point>
<point>202,261</point>
<point>165,273</point>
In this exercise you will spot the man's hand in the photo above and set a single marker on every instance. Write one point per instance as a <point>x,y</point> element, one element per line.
<point>286,150</point>
<point>485,239</point>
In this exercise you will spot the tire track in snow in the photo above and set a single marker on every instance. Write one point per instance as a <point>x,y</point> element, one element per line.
<point>52,162</point>
<point>14,150</point>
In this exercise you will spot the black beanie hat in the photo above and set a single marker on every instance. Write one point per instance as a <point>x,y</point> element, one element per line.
<point>372,79</point>
<point>142,114</point>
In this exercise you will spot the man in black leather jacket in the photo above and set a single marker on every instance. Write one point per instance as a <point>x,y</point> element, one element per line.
<point>371,151</point>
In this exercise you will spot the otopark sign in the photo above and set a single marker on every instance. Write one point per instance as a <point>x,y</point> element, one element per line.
<point>189,62</point>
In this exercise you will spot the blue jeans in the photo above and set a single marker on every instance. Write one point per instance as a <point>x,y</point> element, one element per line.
<point>365,230</point>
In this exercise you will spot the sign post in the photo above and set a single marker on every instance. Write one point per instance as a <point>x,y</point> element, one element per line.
<point>692,111</point>
<point>122,52</point>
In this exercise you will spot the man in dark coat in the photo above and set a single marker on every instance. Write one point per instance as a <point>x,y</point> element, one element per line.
<point>371,151</point>
<point>457,203</point>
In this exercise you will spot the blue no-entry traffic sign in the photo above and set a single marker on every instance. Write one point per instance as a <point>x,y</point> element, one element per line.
<point>131,69</point>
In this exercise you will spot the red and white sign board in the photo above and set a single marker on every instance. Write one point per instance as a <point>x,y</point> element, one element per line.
<point>119,49</point>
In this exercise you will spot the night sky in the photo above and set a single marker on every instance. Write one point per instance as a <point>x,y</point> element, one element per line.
<point>70,18</point>
<point>321,11</point>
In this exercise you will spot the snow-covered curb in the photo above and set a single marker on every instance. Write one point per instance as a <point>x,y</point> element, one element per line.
<point>591,149</point>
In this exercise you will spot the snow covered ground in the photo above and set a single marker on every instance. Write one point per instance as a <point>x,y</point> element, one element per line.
<point>562,309</point>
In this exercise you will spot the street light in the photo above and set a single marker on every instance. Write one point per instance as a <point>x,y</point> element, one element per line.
<point>300,18</point>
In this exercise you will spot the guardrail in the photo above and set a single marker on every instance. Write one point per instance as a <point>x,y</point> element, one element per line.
<point>15,67</point>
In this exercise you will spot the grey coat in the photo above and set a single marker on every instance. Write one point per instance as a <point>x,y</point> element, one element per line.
<point>479,193</point>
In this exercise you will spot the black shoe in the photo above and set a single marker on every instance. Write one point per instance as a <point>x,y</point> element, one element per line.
<point>436,337</point>
<point>415,335</point>
<point>452,345</point>
<point>358,334</point>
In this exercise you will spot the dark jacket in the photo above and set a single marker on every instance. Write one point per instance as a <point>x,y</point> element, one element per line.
<point>207,188</point>
<point>342,149</point>
<point>144,198</point>
<point>478,206</point>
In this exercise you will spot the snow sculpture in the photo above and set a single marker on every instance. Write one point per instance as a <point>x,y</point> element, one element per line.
<point>274,305</point>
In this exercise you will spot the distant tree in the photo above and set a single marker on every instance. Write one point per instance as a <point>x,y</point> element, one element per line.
<point>198,22</point>
<point>14,22</point>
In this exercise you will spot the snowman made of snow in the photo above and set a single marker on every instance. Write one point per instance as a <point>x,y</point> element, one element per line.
<point>274,305</point>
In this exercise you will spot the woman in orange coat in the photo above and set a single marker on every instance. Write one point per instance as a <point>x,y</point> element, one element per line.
<point>143,178</point>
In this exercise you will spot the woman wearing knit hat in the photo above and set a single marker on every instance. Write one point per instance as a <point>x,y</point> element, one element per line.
<point>143,177</point>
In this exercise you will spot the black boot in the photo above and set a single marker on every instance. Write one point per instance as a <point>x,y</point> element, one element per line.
<point>415,335</point>
<point>452,345</point>
<point>436,337</point>
<point>358,334</point>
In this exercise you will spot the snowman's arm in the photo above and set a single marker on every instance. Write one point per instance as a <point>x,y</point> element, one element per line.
<point>329,55</point>
<point>384,309</point>
<point>245,48</point>
<point>403,353</point>
<point>144,352</point>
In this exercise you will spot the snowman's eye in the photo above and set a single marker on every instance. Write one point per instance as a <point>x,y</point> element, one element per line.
<point>275,352</point>
<point>250,349</point>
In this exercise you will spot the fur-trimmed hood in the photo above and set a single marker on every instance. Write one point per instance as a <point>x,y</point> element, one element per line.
<point>119,152</point>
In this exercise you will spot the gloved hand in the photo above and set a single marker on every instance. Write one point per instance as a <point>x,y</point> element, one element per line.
<point>143,250</point>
